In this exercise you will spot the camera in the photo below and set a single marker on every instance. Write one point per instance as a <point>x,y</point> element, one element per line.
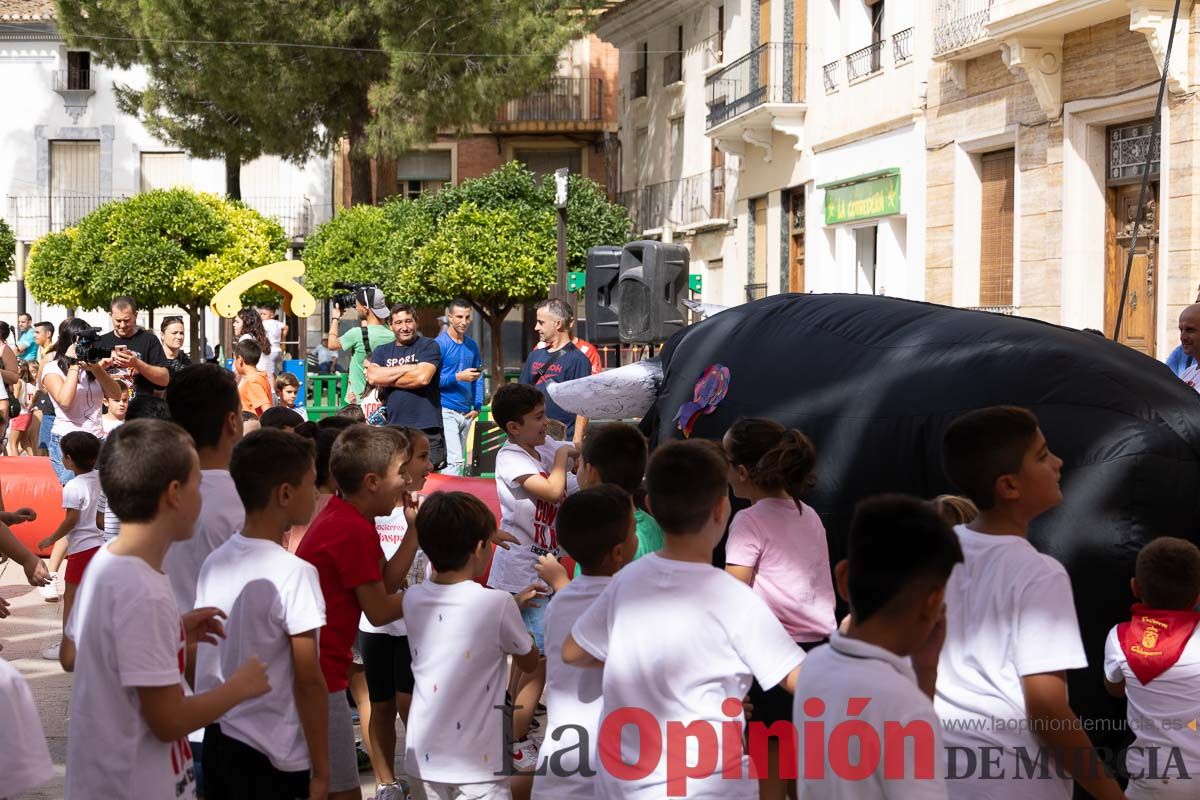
<point>350,294</point>
<point>88,349</point>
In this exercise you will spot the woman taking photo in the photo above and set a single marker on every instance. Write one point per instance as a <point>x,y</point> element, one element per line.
<point>172,344</point>
<point>78,392</point>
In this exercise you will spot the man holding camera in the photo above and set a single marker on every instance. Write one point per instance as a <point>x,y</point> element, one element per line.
<point>137,358</point>
<point>360,342</point>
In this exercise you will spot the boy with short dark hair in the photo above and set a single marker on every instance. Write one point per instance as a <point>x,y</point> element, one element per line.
<point>1011,631</point>
<point>367,464</point>
<point>275,746</point>
<point>532,478</point>
<point>596,527</point>
<point>130,714</point>
<point>1154,662</point>
<point>615,453</point>
<point>672,613</point>
<point>460,634</point>
<point>82,524</point>
<point>899,555</point>
<point>255,387</point>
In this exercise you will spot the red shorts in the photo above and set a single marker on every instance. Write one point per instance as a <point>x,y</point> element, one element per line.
<point>77,563</point>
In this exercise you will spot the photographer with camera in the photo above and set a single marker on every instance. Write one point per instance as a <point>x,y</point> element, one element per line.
<point>136,357</point>
<point>360,342</point>
<point>77,385</point>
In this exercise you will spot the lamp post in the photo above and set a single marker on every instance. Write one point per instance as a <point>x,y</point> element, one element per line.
<point>559,290</point>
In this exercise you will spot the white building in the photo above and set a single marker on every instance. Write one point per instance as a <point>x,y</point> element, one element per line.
<point>67,148</point>
<point>739,117</point>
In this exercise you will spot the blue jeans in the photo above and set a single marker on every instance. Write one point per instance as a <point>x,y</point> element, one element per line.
<point>534,617</point>
<point>455,426</point>
<point>44,432</point>
<point>56,461</point>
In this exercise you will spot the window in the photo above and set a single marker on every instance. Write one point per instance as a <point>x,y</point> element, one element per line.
<point>676,147</point>
<point>543,163</point>
<point>875,7</point>
<point>423,172</point>
<point>673,62</point>
<point>720,42</point>
<point>79,69</point>
<point>74,181</point>
<point>756,283</point>
<point>164,171</point>
<point>996,228</point>
<point>641,142</point>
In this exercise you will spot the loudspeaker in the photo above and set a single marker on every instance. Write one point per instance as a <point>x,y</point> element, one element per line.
<point>600,295</point>
<point>653,279</point>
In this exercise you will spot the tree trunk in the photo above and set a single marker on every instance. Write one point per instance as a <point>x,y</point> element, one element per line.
<point>495,320</point>
<point>233,176</point>
<point>193,312</point>
<point>360,164</point>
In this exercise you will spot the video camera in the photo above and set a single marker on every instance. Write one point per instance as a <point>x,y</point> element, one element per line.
<point>350,293</point>
<point>88,349</point>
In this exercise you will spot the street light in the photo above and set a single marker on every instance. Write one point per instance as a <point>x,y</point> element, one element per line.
<point>559,290</point>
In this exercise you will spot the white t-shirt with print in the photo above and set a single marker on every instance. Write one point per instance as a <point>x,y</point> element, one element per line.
<point>1160,710</point>
<point>128,634</point>
<point>460,636</point>
<point>677,639</point>
<point>1191,376</point>
<point>574,696</point>
<point>221,516</point>
<point>112,525</point>
<point>1010,613</point>
<point>268,595</point>
<point>530,520</point>
<point>84,412</point>
<point>392,530</point>
<point>24,758</point>
<point>82,493</point>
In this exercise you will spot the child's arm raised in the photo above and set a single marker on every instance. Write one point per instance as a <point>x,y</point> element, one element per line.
<point>554,488</point>
<point>312,704</point>
<point>1056,726</point>
<point>380,606</point>
<point>395,569</point>
<point>70,520</point>
<point>172,715</point>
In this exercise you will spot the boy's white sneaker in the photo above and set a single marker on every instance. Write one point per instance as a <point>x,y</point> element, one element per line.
<point>390,791</point>
<point>50,591</point>
<point>51,652</point>
<point>524,755</point>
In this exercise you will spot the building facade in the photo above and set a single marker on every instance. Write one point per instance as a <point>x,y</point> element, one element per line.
<point>1038,125</point>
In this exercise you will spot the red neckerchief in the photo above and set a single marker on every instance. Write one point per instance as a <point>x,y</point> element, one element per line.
<point>1153,639</point>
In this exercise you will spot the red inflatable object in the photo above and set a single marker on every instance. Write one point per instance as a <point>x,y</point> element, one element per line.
<point>30,482</point>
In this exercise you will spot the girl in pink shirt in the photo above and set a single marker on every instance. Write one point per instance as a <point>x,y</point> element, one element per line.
<point>778,547</point>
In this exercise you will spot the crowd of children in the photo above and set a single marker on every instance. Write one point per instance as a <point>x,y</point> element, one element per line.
<point>258,579</point>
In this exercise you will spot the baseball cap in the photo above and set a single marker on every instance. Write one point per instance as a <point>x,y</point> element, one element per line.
<point>372,298</point>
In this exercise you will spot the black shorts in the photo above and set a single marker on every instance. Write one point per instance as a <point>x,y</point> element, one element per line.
<point>388,664</point>
<point>236,771</point>
<point>437,447</point>
<point>775,704</point>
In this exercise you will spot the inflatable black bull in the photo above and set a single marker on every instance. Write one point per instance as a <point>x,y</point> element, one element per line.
<point>875,382</point>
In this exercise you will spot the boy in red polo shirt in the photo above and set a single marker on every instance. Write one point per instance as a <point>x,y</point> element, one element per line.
<point>368,465</point>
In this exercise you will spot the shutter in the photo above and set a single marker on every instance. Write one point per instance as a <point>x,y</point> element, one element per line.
<point>996,229</point>
<point>164,171</point>
<point>74,181</point>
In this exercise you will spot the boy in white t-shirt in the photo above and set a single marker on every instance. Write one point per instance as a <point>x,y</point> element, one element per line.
<point>460,634</point>
<point>1011,631</point>
<point>532,478</point>
<point>130,715</point>
<point>82,524</point>
<point>274,747</point>
<point>680,641</point>
<point>597,528</point>
<point>1154,662</point>
<point>899,555</point>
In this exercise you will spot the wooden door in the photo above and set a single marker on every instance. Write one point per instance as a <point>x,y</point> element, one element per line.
<point>796,242</point>
<point>764,37</point>
<point>1140,318</point>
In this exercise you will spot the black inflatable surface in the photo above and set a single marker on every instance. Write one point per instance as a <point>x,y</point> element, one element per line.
<point>875,382</point>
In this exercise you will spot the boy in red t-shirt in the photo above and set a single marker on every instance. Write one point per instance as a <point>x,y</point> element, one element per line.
<point>368,465</point>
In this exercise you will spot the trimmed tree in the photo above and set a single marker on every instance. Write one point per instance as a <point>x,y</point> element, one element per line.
<point>8,251</point>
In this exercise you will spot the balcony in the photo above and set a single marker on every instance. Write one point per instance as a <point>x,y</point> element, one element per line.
<point>74,86</point>
<point>761,92</point>
<point>959,24</point>
<point>829,75</point>
<point>902,46</point>
<point>565,104</point>
<point>864,62</point>
<point>689,204</point>
<point>672,69</point>
<point>34,215</point>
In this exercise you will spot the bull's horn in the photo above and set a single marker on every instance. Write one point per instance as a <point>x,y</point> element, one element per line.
<point>623,393</point>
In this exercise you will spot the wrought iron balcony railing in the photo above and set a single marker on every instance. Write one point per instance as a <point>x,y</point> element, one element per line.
<point>866,61</point>
<point>829,75</point>
<point>902,46</point>
<point>958,23</point>
<point>34,215</point>
<point>73,80</point>
<point>563,100</point>
<point>691,200</point>
<point>771,73</point>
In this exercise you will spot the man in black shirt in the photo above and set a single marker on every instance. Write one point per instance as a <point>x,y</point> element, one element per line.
<point>137,359</point>
<point>407,373</point>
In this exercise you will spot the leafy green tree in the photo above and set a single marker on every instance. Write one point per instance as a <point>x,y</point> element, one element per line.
<point>8,250</point>
<point>46,272</point>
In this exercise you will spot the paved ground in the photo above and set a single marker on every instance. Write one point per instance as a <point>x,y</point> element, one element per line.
<point>33,626</point>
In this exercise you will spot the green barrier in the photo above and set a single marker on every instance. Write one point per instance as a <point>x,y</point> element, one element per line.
<point>326,394</point>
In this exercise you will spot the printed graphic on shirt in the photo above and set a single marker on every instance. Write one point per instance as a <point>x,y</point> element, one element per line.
<point>545,534</point>
<point>182,764</point>
<point>411,358</point>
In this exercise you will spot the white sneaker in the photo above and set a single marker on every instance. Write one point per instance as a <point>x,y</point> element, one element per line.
<point>524,755</point>
<point>51,652</point>
<point>50,591</point>
<point>389,791</point>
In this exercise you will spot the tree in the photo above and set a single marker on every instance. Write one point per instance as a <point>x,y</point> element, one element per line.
<point>8,250</point>
<point>494,258</point>
<point>162,248</point>
<point>386,74</point>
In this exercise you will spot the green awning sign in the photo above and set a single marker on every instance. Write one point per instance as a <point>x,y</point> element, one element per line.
<point>864,197</point>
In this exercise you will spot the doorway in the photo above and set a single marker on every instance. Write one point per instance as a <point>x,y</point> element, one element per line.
<point>864,259</point>
<point>1139,321</point>
<point>795,281</point>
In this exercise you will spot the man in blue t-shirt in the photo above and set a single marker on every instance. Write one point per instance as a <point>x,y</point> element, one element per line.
<point>561,361</point>
<point>27,349</point>
<point>461,384</point>
<point>406,372</point>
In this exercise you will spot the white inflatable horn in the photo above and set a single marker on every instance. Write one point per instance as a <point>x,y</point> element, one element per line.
<point>624,393</point>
